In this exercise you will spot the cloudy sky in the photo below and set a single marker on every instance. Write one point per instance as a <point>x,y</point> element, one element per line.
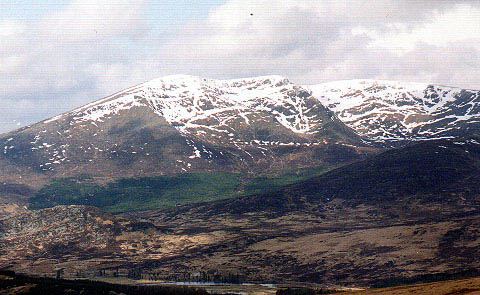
<point>56,55</point>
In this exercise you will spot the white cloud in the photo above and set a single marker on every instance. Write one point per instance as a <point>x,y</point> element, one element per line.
<point>84,20</point>
<point>314,41</point>
<point>9,27</point>
<point>55,56</point>
<point>457,25</point>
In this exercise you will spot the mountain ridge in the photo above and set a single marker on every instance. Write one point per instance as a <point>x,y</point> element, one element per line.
<point>187,124</point>
<point>310,87</point>
<point>383,212</point>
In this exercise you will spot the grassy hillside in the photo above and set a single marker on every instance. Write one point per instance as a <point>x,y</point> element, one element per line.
<point>145,193</point>
<point>438,170</point>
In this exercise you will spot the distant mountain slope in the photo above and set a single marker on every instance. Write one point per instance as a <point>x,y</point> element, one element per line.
<point>173,125</point>
<point>185,124</point>
<point>182,123</point>
<point>393,113</point>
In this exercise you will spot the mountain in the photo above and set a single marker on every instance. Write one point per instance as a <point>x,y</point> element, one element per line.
<point>393,113</point>
<point>179,124</point>
<point>444,171</point>
<point>182,123</point>
<point>200,139</point>
<point>397,215</point>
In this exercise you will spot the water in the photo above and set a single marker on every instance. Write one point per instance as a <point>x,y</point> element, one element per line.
<point>222,288</point>
<point>210,284</point>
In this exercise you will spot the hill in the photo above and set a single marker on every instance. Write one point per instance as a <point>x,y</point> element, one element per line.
<point>431,171</point>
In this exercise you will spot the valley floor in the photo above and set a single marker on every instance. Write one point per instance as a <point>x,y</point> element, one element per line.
<point>350,246</point>
<point>13,284</point>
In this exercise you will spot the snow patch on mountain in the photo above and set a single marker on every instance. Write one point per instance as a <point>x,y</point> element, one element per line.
<point>186,102</point>
<point>389,111</point>
<point>252,117</point>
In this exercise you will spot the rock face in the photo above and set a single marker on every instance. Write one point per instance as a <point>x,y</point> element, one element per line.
<point>182,124</point>
<point>393,113</point>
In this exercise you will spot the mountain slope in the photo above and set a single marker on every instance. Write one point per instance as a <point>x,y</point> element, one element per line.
<point>436,171</point>
<point>394,113</point>
<point>183,123</point>
<point>174,125</point>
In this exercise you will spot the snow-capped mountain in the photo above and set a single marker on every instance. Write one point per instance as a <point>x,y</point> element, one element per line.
<point>211,108</point>
<point>184,123</point>
<point>392,113</point>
